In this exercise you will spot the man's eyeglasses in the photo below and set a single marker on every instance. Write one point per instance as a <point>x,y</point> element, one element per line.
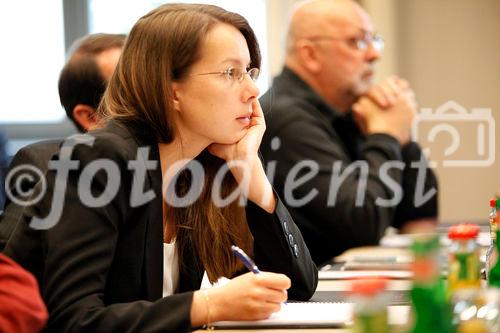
<point>359,43</point>
<point>235,74</point>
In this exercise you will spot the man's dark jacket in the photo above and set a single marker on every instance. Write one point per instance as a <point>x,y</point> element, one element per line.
<point>303,130</point>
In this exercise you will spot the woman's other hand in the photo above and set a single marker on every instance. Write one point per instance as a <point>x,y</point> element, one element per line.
<point>246,297</point>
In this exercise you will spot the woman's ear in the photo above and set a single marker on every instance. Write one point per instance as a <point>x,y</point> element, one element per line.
<point>176,88</point>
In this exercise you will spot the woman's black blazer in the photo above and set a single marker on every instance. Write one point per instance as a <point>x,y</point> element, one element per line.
<point>100,269</point>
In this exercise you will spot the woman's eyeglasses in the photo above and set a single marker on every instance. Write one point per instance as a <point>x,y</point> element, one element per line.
<point>235,74</point>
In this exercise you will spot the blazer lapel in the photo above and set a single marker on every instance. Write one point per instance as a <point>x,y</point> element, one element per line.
<point>191,272</point>
<point>146,150</point>
<point>153,263</point>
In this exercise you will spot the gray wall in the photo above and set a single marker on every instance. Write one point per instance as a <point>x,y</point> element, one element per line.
<point>450,50</point>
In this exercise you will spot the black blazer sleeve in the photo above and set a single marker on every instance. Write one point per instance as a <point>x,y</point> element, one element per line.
<point>80,249</point>
<point>36,156</point>
<point>279,247</point>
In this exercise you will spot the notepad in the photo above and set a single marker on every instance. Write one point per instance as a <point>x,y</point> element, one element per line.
<point>312,314</point>
<point>393,297</point>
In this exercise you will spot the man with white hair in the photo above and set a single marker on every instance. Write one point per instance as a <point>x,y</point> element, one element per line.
<point>341,145</point>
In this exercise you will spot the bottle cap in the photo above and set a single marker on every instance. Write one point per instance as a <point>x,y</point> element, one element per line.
<point>493,202</point>
<point>368,287</point>
<point>463,231</point>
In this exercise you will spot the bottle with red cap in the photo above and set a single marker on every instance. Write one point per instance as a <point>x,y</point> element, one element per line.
<point>370,306</point>
<point>431,310</point>
<point>491,254</point>
<point>463,267</point>
<point>494,274</point>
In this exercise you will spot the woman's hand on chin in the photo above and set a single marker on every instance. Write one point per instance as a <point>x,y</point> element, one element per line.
<point>246,149</point>
<point>244,163</point>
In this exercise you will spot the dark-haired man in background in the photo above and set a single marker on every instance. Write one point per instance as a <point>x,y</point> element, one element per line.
<point>82,82</point>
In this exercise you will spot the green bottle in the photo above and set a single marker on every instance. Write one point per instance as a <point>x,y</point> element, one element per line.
<point>428,295</point>
<point>370,306</point>
<point>491,253</point>
<point>494,275</point>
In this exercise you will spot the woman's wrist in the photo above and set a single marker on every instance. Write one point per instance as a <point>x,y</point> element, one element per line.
<point>209,323</point>
<point>252,178</point>
<point>261,192</point>
<point>198,310</point>
<point>204,308</point>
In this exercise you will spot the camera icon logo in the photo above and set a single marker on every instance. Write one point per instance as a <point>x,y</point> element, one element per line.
<point>455,136</point>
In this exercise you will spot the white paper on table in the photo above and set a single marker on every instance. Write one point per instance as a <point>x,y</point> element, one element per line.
<point>312,314</point>
<point>343,275</point>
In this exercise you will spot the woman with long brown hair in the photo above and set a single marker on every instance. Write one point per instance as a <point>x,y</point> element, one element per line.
<point>180,107</point>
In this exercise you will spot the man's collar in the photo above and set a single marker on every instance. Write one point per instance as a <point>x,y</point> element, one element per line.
<point>301,89</point>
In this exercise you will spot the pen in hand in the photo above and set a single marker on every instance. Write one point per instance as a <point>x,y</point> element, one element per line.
<point>245,259</point>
